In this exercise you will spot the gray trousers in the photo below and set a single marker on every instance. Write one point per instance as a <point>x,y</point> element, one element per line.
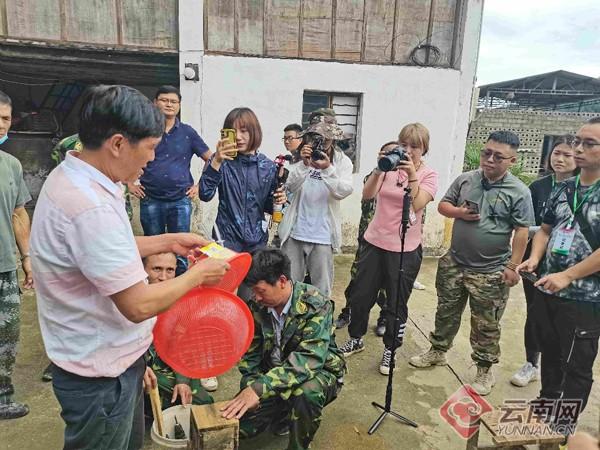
<point>316,258</point>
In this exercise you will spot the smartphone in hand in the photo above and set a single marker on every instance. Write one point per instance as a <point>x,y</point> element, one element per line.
<point>472,207</point>
<point>230,135</point>
<point>531,277</point>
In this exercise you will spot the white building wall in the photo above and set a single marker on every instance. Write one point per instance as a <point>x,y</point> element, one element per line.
<point>391,97</point>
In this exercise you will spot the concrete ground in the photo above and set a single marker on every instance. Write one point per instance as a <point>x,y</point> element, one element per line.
<point>418,394</point>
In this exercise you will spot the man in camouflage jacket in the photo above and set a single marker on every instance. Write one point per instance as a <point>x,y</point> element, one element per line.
<point>293,367</point>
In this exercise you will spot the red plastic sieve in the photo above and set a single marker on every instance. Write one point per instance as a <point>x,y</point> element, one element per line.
<point>239,264</point>
<point>205,333</point>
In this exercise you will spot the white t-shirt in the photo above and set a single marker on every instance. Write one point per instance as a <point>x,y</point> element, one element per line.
<point>312,224</point>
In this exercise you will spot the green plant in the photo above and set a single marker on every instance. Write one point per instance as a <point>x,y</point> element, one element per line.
<point>472,157</point>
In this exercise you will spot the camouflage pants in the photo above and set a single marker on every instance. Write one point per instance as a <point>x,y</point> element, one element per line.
<point>9,331</point>
<point>487,295</point>
<point>302,410</point>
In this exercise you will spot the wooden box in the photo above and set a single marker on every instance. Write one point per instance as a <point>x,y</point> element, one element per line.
<point>210,431</point>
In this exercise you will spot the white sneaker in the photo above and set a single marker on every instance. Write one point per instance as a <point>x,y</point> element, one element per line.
<point>386,361</point>
<point>484,380</point>
<point>525,375</point>
<point>418,286</point>
<point>210,384</point>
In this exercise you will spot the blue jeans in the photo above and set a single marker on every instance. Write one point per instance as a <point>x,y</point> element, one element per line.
<point>101,413</point>
<point>162,216</point>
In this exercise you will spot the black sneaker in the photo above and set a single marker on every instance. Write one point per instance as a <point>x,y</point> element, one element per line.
<point>342,321</point>
<point>380,327</point>
<point>47,373</point>
<point>13,410</point>
<point>386,361</point>
<point>353,345</point>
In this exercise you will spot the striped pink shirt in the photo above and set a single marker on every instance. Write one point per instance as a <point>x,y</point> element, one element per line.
<point>83,251</point>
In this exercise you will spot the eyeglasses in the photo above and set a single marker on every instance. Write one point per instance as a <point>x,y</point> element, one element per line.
<point>289,138</point>
<point>585,143</point>
<point>498,158</point>
<point>168,101</point>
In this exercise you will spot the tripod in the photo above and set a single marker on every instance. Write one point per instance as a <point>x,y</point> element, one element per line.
<point>387,409</point>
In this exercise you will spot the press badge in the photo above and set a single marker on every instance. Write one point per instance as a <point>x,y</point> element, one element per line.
<point>412,217</point>
<point>563,241</point>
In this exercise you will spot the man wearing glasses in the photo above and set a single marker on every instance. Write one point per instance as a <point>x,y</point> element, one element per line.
<point>166,188</point>
<point>490,206</point>
<point>292,140</point>
<point>567,307</point>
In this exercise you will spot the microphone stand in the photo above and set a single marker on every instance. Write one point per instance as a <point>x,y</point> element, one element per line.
<point>387,409</point>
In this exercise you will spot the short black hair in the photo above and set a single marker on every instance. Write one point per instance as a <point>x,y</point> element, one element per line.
<point>5,99</point>
<point>293,127</point>
<point>594,121</point>
<point>167,89</point>
<point>505,137</point>
<point>268,265</point>
<point>108,110</point>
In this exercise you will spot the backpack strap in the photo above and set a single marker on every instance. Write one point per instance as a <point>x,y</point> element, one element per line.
<point>584,225</point>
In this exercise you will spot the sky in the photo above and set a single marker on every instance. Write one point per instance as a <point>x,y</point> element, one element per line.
<point>529,37</point>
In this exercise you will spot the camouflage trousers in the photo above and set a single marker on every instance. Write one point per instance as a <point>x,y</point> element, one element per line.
<point>487,295</point>
<point>301,410</point>
<point>10,301</point>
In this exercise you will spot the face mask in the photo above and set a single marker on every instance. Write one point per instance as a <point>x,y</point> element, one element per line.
<point>3,139</point>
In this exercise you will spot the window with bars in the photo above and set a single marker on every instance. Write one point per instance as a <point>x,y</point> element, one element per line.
<point>347,110</point>
<point>416,32</point>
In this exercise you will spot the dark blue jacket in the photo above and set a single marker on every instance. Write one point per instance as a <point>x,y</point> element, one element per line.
<point>246,186</point>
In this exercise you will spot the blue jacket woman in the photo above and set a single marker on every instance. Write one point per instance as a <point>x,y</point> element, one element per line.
<point>247,184</point>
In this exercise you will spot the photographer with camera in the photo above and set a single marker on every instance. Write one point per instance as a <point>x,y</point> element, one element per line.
<point>379,261</point>
<point>318,182</point>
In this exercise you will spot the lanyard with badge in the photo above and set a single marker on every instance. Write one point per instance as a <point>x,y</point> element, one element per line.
<point>566,234</point>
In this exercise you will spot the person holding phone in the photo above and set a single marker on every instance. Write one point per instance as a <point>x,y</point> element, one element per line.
<point>480,265</point>
<point>247,184</point>
<point>561,165</point>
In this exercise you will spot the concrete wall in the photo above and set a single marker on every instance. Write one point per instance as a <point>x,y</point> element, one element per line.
<point>531,126</point>
<point>391,97</point>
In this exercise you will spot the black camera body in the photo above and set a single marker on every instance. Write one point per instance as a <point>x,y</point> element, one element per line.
<point>391,160</point>
<point>317,143</point>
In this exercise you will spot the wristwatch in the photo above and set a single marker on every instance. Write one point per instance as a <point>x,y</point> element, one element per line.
<point>25,255</point>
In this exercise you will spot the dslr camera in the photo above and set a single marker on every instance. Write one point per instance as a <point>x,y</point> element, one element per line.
<point>392,159</point>
<point>317,143</point>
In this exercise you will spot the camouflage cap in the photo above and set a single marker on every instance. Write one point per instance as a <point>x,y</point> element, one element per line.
<point>314,116</point>
<point>326,126</point>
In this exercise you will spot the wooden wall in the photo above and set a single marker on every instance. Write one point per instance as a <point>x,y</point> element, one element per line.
<point>371,31</point>
<point>128,23</point>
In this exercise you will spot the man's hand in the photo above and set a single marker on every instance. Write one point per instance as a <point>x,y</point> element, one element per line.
<point>28,281</point>
<point>149,379</point>
<point>184,392</point>
<point>193,191</point>
<point>529,265</point>
<point>279,196</point>
<point>322,164</point>
<point>246,400</point>
<point>209,271</point>
<point>554,282</point>
<point>136,189</point>
<point>510,277</point>
<point>183,244</point>
<point>464,213</point>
